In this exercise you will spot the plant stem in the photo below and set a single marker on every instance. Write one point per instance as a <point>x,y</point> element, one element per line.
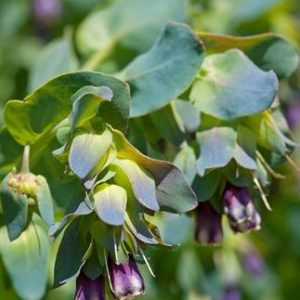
<point>25,161</point>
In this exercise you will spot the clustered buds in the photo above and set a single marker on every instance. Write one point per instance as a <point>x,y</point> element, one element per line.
<point>125,280</point>
<point>230,292</point>
<point>253,262</point>
<point>240,210</point>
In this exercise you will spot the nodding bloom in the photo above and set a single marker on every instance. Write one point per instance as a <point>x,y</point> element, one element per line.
<point>230,292</point>
<point>126,280</point>
<point>240,209</point>
<point>208,229</point>
<point>89,289</point>
<point>252,262</point>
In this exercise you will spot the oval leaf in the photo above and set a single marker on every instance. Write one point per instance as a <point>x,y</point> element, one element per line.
<point>231,86</point>
<point>165,71</point>
<point>143,185</point>
<point>110,204</point>
<point>26,260</point>
<point>87,150</point>
<point>172,189</point>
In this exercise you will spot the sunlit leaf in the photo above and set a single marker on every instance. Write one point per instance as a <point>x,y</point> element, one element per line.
<point>165,71</point>
<point>231,86</point>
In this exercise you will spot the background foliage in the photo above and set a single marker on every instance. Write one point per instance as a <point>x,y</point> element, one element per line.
<point>36,47</point>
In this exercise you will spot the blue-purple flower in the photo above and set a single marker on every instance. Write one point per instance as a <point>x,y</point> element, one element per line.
<point>240,209</point>
<point>230,292</point>
<point>126,280</point>
<point>253,262</point>
<point>89,289</point>
<point>208,229</point>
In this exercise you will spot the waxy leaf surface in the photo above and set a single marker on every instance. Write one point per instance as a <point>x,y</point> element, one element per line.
<point>231,86</point>
<point>165,71</point>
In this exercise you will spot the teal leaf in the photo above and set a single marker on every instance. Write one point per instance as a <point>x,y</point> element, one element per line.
<point>44,200</point>
<point>142,184</point>
<point>185,160</point>
<point>172,189</point>
<point>117,24</point>
<point>110,203</point>
<point>88,150</point>
<point>231,86</point>
<point>189,117</point>
<point>26,260</point>
<point>165,71</point>
<point>218,146</point>
<point>86,102</point>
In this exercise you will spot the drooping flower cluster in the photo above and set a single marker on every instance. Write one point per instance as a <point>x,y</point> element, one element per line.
<point>240,210</point>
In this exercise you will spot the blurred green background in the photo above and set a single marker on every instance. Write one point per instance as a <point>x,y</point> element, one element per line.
<point>191,271</point>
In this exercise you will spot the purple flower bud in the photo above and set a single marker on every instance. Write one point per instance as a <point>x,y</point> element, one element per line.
<point>252,262</point>
<point>126,280</point>
<point>240,209</point>
<point>230,292</point>
<point>88,289</point>
<point>46,10</point>
<point>208,229</point>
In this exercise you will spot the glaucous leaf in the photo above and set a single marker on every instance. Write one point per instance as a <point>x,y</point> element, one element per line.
<point>189,117</point>
<point>268,51</point>
<point>141,183</point>
<point>172,189</point>
<point>165,71</point>
<point>26,260</point>
<point>29,119</point>
<point>86,102</point>
<point>128,22</point>
<point>44,200</point>
<point>185,160</point>
<point>87,151</point>
<point>218,146</point>
<point>110,203</point>
<point>232,86</point>
<point>55,58</point>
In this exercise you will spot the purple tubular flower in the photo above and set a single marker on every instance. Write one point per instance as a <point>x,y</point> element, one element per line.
<point>208,229</point>
<point>126,280</point>
<point>253,263</point>
<point>230,292</point>
<point>89,289</point>
<point>240,209</point>
<point>46,10</point>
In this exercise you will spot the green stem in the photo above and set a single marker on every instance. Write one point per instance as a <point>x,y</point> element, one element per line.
<point>25,161</point>
<point>97,58</point>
